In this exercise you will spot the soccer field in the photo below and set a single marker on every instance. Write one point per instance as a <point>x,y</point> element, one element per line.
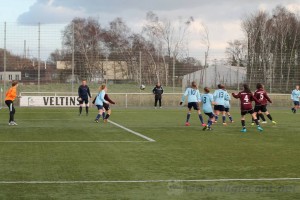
<point>146,154</point>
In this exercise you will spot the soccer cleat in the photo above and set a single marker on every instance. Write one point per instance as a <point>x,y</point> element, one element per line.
<point>14,123</point>
<point>187,124</point>
<point>293,110</point>
<point>252,124</point>
<point>232,121</point>
<point>10,124</point>
<point>105,120</point>
<point>160,107</point>
<point>209,129</point>
<point>259,128</point>
<point>96,120</point>
<point>225,124</point>
<point>274,122</point>
<point>244,130</point>
<point>204,128</point>
<point>203,124</point>
<point>264,122</point>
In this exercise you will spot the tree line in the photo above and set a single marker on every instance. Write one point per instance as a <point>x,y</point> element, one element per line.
<point>160,45</point>
<point>270,49</point>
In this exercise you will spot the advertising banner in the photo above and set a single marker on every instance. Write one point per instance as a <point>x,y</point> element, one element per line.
<point>49,101</point>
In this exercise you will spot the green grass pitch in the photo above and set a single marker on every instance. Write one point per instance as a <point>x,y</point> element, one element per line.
<point>55,154</point>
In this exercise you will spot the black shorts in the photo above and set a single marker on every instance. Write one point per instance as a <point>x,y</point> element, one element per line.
<point>194,105</point>
<point>85,101</point>
<point>262,108</point>
<point>296,103</point>
<point>106,106</point>
<point>226,109</point>
<point>219,108</point>
<point>244,112</point>
<point>210,115</point>
<point>10,105</point>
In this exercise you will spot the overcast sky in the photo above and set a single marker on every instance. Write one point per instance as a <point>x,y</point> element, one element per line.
<point>222,17</point>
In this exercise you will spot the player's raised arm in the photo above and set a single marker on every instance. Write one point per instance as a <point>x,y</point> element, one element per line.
<point>236,96</point>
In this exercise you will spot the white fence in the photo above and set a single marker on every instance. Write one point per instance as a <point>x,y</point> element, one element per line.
<point>68,99</point>
<point>127,100</point>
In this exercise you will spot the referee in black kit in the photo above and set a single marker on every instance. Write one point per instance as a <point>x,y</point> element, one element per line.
<point>84,95</point>
<point>157,91</point>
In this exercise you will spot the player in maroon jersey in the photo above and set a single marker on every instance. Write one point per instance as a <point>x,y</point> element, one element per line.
<point>106,108</point>
<point>261,106</point>
<point>246,97</point>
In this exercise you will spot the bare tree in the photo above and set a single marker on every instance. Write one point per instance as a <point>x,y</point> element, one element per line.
<point>87,41</point>
<point>167,35</point>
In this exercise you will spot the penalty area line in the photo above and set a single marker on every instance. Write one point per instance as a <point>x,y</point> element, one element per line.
<point>131,131</point>
<point>153,181</point>
<point>103,141</point>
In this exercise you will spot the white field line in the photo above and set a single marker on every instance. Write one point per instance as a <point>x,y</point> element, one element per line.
<point>37,141</point>
<point>152,181</point>
<point>131,131</point>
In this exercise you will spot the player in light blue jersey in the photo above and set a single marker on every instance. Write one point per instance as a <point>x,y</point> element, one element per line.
<point>193,95</point>
<point>220,95</point>
<point>295,98</point>
<point>227,106</point>
<point>99,101</point>
<point>207,100</point>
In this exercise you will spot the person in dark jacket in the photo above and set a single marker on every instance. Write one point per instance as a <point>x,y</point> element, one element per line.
<point>157,91</point>
<point>84,95</point>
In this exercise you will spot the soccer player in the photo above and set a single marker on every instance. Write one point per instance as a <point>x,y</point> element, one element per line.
<point>11,95</point>
<point>157,91</point>
<point>220,95</point>
<point>193,102</point>
<point>207,100</point>
<point>263,98</point>
<point>295,97</point>
<point>227,107</point>
<point>107,108</point>
<point>100,101</point>
<point>246,97</point>
<point>84,95</point>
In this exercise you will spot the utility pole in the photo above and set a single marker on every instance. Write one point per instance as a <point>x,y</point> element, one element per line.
<point>39,56</point>
<point>73,57</point>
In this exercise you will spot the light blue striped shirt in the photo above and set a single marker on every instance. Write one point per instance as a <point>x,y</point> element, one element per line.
<point>207,100</point>
<point>227,101</point>
<point>295,95</point>
<point>220,96</point>
<point>193,95</point>
<point>100,98</point>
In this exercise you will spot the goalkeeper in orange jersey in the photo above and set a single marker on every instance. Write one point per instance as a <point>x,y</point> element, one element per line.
<point>11,95</point>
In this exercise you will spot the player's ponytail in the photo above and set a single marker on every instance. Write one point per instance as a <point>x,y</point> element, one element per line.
<point>206,89</point>
<point>194,85</point>
<point>14,83</point>
<point>246,88</point>
<point>259,86</point>
<point>102,87</point>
